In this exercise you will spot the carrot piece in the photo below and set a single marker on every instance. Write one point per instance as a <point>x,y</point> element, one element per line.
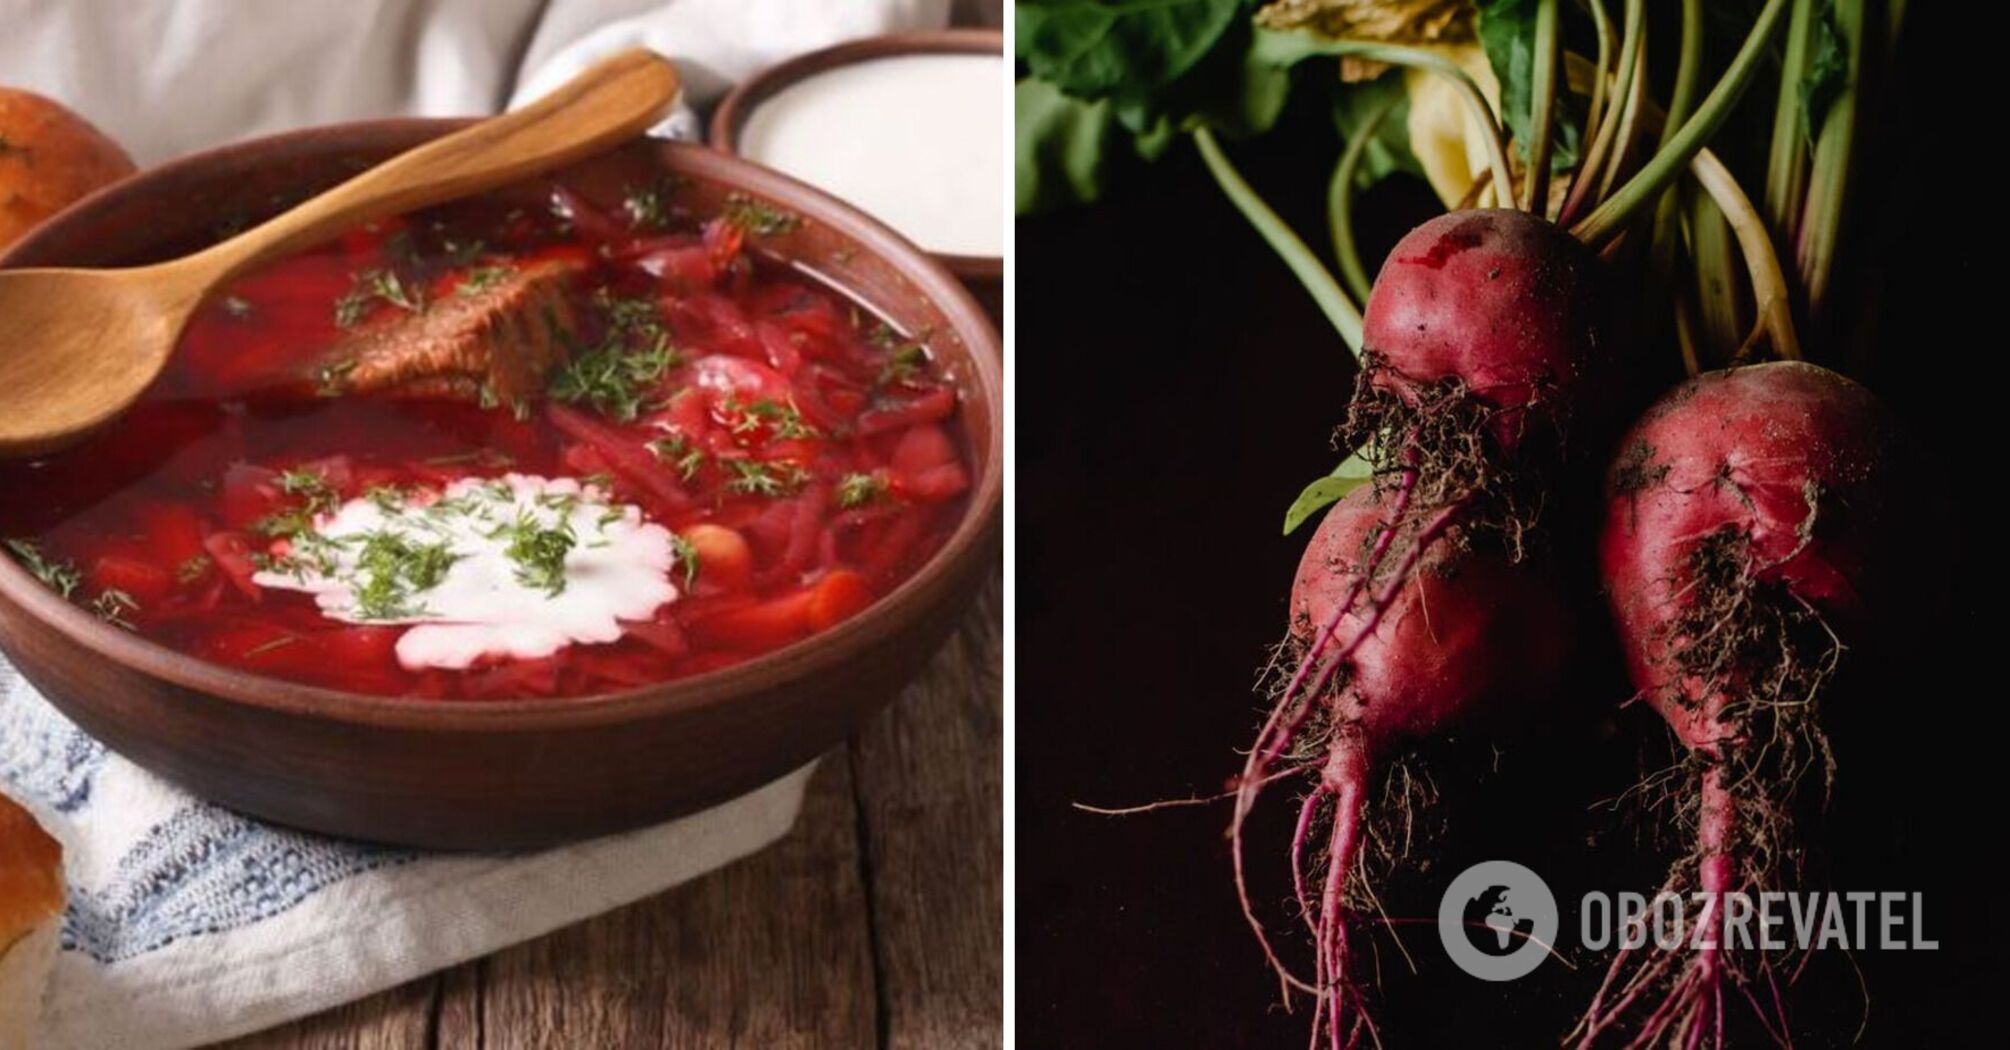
<point>756,628</point>
<point>837,597</point>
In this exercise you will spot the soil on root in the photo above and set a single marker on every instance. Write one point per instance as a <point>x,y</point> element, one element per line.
<point>1453,440</point>
<point>1753,658</point>
<point>1760,658</point>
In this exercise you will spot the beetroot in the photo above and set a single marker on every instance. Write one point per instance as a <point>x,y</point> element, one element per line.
<point>1496,315</point>
<point>1434,633</point>
<point>1418,605</point>
<point>1749,535</point>
<point>1462,630</point>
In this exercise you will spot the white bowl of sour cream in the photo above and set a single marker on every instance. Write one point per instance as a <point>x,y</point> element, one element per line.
<point>908,127</point>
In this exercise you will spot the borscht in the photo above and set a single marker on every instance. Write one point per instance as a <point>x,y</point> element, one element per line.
<point>523,445</point>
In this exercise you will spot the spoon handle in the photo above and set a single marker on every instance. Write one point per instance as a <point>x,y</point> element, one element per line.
<point>614,100</point>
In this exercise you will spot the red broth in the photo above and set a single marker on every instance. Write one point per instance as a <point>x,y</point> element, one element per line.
<point>809,456</point>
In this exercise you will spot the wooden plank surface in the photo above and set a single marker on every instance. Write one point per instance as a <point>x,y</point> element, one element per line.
<point>930,796</point>
<point>876,922</point>
<point>774,951</point>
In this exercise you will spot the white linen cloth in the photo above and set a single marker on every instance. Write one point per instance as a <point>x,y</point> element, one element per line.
<point>189,923</point>
<point>166,77</point>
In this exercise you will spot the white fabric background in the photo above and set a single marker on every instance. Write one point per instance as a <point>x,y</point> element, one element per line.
<point>165,77</point>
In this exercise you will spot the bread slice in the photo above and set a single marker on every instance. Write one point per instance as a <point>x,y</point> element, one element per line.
<point>31,912</point>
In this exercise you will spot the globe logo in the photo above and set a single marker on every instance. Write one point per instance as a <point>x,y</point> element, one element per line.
<point>1497,920</point>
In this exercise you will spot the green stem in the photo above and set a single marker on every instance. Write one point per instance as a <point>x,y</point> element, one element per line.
<point>1667,243</point>
<point>1667,214</point>
<point>1821,222</point>
<point>1688,69</point>
<point>1542,105</point>
<point>1608,129</point>
<point>1771,298</point>
<point>1685,336</point>
<point>1628,119</point>
<point>1719,324</point>
<point>1340,200</point>
<point>1787,160</point>
<point>1339,310</point>
<point>1605,43</point>
<point>1647,184</point>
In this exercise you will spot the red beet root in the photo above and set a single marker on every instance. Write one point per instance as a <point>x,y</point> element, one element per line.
<point>1501,305</point>
<point>1416,608</point>
<point>1402,633</point>
<point>1748,536</point>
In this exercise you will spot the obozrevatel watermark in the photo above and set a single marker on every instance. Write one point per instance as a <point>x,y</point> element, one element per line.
<point>1770,921</point>
<point>1498,921</point>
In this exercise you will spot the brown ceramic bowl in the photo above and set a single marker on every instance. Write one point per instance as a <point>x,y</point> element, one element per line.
<point>525,772</point>
<point>984,274</point>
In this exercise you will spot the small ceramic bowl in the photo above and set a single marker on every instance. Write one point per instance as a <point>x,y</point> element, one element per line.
<point>984,274</point>
<point>524,772</point>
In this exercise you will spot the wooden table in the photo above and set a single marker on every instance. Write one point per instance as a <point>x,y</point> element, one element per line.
<point>878,921</point>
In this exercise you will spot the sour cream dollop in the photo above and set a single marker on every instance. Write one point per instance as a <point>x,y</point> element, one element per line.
<point>516,567</point>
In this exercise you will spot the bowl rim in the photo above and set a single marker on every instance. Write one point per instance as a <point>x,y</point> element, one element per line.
<point>746,96</point>
<point>982,519</point>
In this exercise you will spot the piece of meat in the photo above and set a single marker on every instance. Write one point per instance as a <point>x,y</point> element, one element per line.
<point>495,344</point>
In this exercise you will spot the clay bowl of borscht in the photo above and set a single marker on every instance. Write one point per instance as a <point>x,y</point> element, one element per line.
<point>541,515</point>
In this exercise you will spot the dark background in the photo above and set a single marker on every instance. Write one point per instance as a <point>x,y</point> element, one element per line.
<point>1176,388</point>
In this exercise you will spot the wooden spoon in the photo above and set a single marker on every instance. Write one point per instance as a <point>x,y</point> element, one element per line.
<point>78,346</point>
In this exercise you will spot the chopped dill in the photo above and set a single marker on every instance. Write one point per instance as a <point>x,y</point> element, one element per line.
<point>754,477</point>
<point>317,497</point>
<point>193,569</point>
<point>59,576</point>
<point>784,421</point>
<point>299,481</point>
<point>629,314</point>
<point>373,285</point>
<point>539,551</point>
<point>648,207</point>
<point>685,553</point>
<point>615,379</point>
<point>758,217</point>
<point>392,569</point>
<point>482,278</point>
<point>857,490</point>
<point>389,499</point>
<point>677,451</point>
<point>113,606</point>
<point>903,363</point>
